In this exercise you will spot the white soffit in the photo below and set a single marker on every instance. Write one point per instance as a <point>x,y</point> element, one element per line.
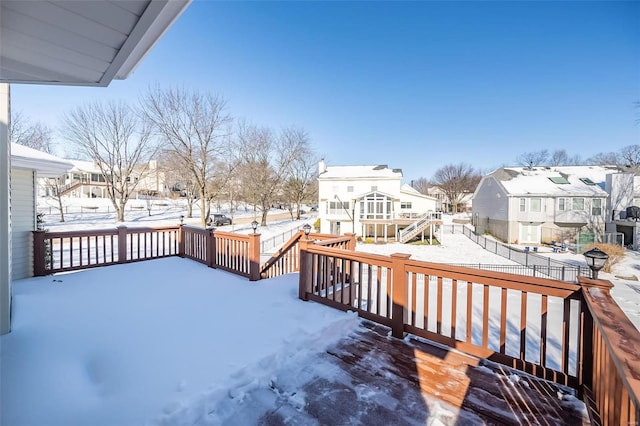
<point>79,42</point>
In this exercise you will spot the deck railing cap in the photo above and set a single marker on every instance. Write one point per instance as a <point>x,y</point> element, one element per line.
<point>590,282</point>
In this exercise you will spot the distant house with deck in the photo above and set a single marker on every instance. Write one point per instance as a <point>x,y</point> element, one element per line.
<point>370,201</point>
<point>85,180</point>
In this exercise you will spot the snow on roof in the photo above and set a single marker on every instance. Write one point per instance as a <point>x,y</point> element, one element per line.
<point>408,189</point>
<point>23,157</point>
<point>554,181</point>
<point>85,166</point>
<point>370,172</point>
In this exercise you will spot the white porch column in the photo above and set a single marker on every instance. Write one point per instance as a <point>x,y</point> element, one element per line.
<point>5,211</point>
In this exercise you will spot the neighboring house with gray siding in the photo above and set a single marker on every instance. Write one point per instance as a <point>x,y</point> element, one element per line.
<point>542,204</point>
<point>27,165</point>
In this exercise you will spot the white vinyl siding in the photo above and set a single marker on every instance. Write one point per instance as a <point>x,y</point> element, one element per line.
<point>23,222</point>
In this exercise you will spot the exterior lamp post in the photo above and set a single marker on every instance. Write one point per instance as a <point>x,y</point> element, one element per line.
<point>254,226</point>
<point>306,228</point>
<point>596,259</point>
<point>181,219</point>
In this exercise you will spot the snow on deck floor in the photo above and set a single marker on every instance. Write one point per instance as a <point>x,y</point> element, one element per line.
<point>129,344</point>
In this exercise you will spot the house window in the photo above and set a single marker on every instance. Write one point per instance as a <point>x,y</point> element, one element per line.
<point>523,204</point>
<point>578,204</point>
<point>535,205</point>
<point>335,207</point>
<point>405,205</point>
<point>562,204</point>
<point>596,207</point>
<point>349,188</point>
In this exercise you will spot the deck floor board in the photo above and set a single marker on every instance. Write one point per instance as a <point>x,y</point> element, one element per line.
<point>387,381</point>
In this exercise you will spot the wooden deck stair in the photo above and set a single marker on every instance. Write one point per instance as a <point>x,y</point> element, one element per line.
<point>423,222</point>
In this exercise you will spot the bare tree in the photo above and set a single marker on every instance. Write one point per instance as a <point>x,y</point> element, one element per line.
<point>605,159</point>
<point>303,171</point>
<point>25,132</point>
<point>267,160</point>
<point>455,180</point>
<point>54,189</point>
<point>112,135</point>
<point>560,157</point>
<point>630,156</point>
<point>533,159</point>
<point>421,185</point>
<point>223,185</point>
<point>194,126</point>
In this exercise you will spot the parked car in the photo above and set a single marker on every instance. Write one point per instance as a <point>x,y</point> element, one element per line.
<point>219,220</point>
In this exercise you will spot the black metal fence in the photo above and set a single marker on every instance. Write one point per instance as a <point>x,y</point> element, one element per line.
<point>531,263</point>
<point>562,273</point>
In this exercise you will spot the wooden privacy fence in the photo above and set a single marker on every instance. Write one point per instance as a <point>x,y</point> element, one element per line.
<point>573,334</point>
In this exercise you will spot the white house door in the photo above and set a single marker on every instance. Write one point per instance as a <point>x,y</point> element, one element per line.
<point>335,228</point>
<point>529,233</point>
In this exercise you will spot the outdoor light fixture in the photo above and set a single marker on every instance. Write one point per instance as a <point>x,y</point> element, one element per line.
<point>596,259</point>
<point>254,225</point>
<point>306,228</point>
<point>182,219</point>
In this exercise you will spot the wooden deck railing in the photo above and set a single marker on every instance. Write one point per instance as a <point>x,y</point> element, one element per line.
<point>287,259</point>
<point>572,334</point>
<point>611,363</point>
<point>73,250</point>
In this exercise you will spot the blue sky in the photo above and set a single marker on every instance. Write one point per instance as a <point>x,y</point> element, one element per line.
<point>415,85</point>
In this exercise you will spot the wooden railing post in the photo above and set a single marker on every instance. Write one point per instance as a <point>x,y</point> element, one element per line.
<point>39,267</point>
<point>585,375</point>
<point>210,243</point>
<point>352,241</point>
<point>254,257</point>
<point>400,294</point>
<point>122,244</point>
<point>181,240</point>
<point>306,269</point>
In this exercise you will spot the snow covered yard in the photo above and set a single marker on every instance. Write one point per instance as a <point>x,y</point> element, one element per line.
<point>132,344</point>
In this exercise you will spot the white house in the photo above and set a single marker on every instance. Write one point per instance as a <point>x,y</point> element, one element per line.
<point>370,201</point>
<point>27,165</point>
<point>542,204</point>
<point>94,43</point>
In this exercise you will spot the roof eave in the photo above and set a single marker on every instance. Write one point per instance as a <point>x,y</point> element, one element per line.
<point>154,22</point>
